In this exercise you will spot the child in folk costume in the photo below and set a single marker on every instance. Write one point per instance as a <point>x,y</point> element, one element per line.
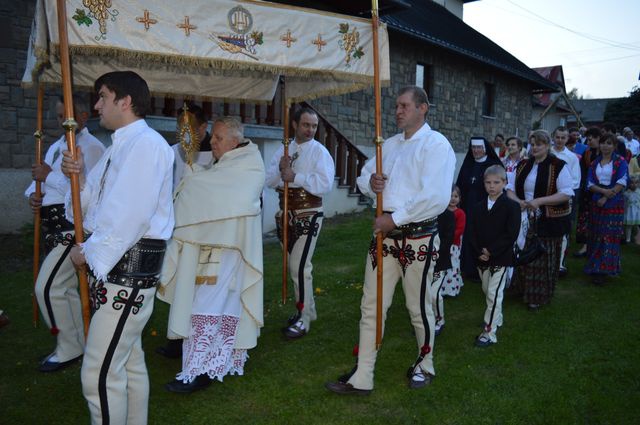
<point>453,278</point>
<point>632,208</point>
<point>493,230</point>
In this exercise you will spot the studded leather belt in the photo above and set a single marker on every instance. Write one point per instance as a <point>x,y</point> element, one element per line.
<point>299,199</point>
<point>415,230</point>
<point>140,265</point>
<point>53,219</point>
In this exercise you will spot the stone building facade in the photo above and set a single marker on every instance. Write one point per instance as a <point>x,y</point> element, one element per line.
<point>456,98</point>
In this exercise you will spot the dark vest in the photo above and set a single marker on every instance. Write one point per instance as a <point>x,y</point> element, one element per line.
<point>555,220</point>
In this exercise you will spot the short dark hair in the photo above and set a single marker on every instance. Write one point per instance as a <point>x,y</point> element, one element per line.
<point>419,95</point>
<point>517,139</point>
<point>572,129</point>
<point>80,103</point>
<point>297,114</point>
<point>593,132</point>
<point>196,111</point>
<point>560,128</point>
<point>609,126</point>
<point>498,135</point>
<point>127,83</point>
<point>610,138</point>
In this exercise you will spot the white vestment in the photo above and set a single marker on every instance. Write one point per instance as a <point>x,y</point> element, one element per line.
<point>216,248</point>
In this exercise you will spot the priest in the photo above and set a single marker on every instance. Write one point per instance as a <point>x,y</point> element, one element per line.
<point>212,273</point>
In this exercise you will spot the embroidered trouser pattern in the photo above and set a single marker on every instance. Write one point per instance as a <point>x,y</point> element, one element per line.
<point>413,261</point>
<point>437,303</point>
<point>56,290</point>
<point>114,375</point>
<point>304,229</point>
<point>494,280</point>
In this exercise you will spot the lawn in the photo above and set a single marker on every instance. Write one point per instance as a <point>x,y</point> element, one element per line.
<point>574,361</point>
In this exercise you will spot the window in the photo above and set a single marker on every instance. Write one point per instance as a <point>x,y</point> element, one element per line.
<point>489,100</point>
<point>424,79</point>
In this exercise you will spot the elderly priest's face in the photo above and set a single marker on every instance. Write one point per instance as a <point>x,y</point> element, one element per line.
<point>223,140</point>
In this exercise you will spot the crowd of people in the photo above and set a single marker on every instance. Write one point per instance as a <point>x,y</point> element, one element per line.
<point>156,227</point>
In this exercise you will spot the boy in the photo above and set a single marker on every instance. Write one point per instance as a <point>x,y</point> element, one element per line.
<point>494,228</point>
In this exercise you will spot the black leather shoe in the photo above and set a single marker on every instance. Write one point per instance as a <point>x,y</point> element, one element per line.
<point>173,349</point>
<point>200,383</point>
<point>343,388</point>
<point>47,366</point>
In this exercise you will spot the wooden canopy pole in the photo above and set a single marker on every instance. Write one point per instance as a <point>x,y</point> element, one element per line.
<point>70,126</point>
<point>36,216</point>
<point>375,22</point>
<point>285,194</point>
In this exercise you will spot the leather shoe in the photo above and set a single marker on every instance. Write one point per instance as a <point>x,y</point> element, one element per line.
<point>295,331</point>
<point>199,383</point>
<point>420,379</point>
<point>172,350</point>
<point>343,388</point>
<point>47,366</point>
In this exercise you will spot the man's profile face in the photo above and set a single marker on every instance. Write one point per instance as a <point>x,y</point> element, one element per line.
<point>408,114</point>
<point>305,130</point>
<point>109,109</point>
<point>222,140</point>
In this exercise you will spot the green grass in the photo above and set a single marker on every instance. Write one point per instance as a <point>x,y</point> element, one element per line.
<point>575,361</point>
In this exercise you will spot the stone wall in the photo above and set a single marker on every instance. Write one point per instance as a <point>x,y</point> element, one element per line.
<point>456,111</point>
<point>18,105</point>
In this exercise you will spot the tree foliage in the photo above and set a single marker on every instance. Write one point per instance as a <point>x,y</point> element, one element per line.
<point>625,112</point>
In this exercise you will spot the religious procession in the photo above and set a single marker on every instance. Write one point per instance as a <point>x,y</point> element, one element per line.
<point>146,228</point>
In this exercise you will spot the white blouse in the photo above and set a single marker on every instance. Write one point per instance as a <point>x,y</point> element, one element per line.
<point>563,182</point>
<point>604,174</point>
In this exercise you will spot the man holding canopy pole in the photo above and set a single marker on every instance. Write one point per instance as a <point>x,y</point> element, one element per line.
<point>128,213</point>
<point>417,174</point>
<point>57,285</point>
<point>310,171</point>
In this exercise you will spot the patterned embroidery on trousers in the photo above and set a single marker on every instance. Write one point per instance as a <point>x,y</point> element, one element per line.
<point>97,296</point>
<point>299,225</point>
<point>121,299</point>
<point>372,252</point>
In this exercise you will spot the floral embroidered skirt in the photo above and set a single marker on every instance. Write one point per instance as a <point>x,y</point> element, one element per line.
<point>453,279</point>
<point>605,232</point>
<point>536,281</point>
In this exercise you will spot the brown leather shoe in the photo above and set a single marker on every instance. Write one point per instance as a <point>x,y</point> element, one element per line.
<point>344,388</point>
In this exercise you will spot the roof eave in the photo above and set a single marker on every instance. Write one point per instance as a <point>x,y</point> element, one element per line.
<point>539,86</point>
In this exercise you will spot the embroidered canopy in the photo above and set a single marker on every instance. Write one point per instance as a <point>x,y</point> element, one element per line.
<point>210,49</point>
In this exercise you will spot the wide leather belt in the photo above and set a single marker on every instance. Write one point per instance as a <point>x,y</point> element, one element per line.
<point>299,199</point>
<point>415,230</point>
<point>140,266</point>
<point>53,219</point>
